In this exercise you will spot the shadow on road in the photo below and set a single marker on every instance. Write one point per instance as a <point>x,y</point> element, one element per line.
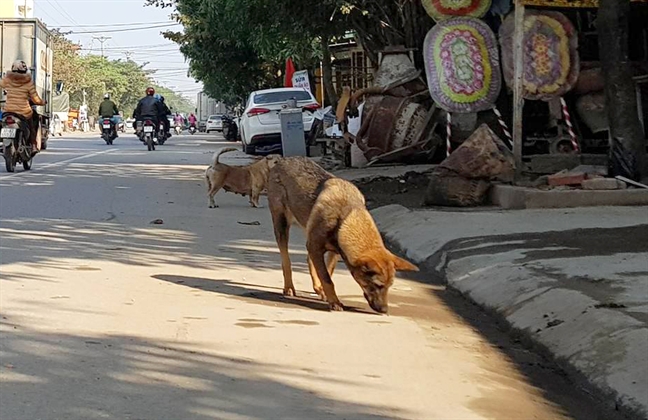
<point>125,377</point>
<point>44,243</point>
<point>257,294</point>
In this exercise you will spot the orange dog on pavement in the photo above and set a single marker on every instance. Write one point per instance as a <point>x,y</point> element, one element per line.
<point>245,180</point>
<point>333,213</point>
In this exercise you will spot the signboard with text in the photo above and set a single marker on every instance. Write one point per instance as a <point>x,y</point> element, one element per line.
<point>300,79</point>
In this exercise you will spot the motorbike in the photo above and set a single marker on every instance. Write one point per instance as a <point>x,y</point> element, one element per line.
<point>108,133</point>
<point>178,130</point>
<point>230,129</point>
<point>192,129</point>
<point>147,133</point>
<point>161,135</point>
<point>15,135</point>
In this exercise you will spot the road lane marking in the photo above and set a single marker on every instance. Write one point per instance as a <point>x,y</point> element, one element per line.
<point>58,163</point>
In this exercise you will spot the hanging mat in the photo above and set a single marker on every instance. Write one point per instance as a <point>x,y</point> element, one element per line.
<point>444,9</point>
<point>550,54</point>
<point>462,65</point>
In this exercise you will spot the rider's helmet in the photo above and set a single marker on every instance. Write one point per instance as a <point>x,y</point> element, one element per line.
<point>107,96</point>
<point>19,66</point>
<point>157,97</point>
<point>150,91</point>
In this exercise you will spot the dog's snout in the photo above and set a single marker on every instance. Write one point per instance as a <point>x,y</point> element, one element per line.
<point>379,307</point>
<point>377,302</point>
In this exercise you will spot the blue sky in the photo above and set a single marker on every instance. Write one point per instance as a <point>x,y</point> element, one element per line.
<point>88,19</point>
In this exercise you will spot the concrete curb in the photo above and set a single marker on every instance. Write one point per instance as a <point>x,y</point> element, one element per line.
<point>511,197</point>
<point>549,289</point>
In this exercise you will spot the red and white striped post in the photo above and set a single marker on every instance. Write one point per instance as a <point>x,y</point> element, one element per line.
<point>448,134</point>
<point>570,127</point>
<point>505,128</point>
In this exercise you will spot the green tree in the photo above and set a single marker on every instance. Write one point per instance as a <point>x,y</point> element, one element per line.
<point>126,81</point>
<point>236,46</point>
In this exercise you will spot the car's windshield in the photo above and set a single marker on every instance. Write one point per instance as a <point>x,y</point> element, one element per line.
<point>215,117</point>
<point>281,96</point>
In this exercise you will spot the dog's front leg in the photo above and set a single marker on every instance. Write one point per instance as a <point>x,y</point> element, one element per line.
<point>254,199</point>
<point>317,267</point>
<point>331,262</point>
<point>317,283</point>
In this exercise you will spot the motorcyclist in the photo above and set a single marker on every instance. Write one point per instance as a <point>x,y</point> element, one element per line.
<point>20,90</point>
<point>164,117</point>
<point>108,109</point>
<point>148,108</point>
<point>178,120</point>
<point>192,120</point>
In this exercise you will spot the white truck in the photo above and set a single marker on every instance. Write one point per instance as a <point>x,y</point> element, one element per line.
<point>30,41</point>
<point>206,106</point>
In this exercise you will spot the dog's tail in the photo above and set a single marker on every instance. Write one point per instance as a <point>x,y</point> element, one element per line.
<point>221,151</point>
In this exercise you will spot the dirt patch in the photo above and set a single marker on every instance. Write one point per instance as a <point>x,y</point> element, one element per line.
<point>407,190</point>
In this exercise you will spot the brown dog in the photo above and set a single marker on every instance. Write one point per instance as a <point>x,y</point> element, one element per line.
<point>245,180</point>
<point>333,213</point>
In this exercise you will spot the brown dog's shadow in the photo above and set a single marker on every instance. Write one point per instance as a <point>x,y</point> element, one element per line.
<point>254,293</point>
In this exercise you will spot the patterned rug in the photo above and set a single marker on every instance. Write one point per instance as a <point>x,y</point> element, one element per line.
<point>445,9</point>
<point>551,62</point>
<point>462,65</point>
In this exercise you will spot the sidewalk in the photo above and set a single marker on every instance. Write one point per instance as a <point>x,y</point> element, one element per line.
<point>574,281</point>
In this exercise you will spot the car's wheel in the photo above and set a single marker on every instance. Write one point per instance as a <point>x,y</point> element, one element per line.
<point>249,149</point>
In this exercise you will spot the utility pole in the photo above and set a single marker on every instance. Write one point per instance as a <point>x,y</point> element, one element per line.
<point>102,39</point>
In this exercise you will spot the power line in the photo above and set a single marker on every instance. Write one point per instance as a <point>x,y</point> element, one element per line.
<point>137,47</point>
<point>118,24</point>
<point>125,30</point>
<point>61,11</point>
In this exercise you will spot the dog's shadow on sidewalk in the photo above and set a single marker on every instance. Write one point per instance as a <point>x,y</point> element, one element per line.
<point>254,293</point>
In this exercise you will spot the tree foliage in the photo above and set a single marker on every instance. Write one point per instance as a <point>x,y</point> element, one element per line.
<point>236,46</point>
<point>126,81</point>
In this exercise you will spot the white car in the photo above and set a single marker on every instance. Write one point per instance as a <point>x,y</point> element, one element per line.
<point>260,124</point>
<point>214,123</point>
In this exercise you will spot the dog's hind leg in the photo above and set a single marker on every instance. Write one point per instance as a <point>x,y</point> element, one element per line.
<point>282,233</point>
<point>209,186</point>
<point>214,186</point>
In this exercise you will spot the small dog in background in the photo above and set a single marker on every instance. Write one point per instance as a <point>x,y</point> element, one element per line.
<point>245,180</point>
<point>332,211</point>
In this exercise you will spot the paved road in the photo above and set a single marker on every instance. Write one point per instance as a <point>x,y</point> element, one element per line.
<point>107,316</point>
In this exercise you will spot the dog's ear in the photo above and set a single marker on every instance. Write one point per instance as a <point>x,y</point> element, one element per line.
<point>403,265</point>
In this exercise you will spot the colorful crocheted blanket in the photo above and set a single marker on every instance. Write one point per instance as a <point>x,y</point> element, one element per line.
<point>551,63</point>
<point>462,65</point>
<point>445,9</point>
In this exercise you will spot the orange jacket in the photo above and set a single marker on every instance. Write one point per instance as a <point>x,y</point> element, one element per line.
<point>20,89</point>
